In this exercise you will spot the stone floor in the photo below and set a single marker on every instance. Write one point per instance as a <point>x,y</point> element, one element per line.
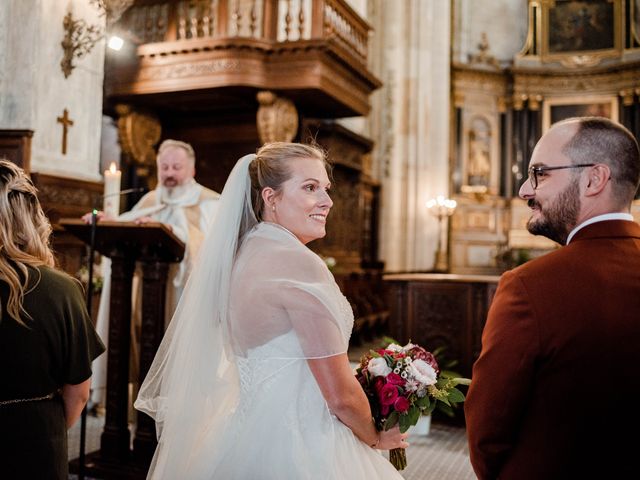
<point>441,455</point>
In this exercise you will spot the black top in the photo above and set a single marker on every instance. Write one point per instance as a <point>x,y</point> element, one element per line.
<point>55,348</point>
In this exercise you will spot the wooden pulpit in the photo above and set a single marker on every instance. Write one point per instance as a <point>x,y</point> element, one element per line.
<point>155,247</point>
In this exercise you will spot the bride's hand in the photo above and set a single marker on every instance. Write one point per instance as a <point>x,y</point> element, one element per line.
<point>392,439</point>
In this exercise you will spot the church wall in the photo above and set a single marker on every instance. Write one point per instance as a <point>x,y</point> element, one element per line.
<point>17,62</point>
<point>503,21</point>
<point>35,91</point>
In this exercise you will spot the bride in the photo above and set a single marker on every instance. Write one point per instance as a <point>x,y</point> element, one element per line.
<point>252,379</point>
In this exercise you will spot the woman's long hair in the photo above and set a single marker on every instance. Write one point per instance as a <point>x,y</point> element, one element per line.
<point>24,235</point>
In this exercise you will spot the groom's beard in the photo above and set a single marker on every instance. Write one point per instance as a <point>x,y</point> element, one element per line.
<point>557,220</point>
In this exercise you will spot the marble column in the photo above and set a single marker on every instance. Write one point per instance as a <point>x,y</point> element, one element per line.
<point>410,119</point>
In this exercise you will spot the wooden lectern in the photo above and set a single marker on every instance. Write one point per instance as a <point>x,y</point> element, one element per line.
<point>155,247</point>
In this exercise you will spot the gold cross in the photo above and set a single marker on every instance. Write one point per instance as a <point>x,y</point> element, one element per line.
<point>66,123</point>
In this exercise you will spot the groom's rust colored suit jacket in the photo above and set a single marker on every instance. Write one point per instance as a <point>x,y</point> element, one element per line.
<point>555,393</point>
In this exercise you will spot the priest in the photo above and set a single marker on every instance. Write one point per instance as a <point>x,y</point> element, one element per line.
<point>185,207</point>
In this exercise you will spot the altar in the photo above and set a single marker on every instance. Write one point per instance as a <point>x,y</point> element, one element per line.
<point>441,310</point>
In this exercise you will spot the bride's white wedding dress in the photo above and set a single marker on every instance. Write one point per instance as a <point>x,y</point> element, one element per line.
<point>273,422</point>
<point>282,428</point>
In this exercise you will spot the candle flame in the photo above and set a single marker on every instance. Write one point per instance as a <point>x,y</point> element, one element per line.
<point>113,168</point>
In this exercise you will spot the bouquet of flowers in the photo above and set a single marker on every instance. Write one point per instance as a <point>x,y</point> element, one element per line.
<point>403,383</point>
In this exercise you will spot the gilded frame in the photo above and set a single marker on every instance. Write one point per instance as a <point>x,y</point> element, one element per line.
<point>635,19</point>
<point>565,107</point>
<point>556,16</point>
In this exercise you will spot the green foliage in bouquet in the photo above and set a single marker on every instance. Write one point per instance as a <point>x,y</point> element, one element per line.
<point>403,383</point>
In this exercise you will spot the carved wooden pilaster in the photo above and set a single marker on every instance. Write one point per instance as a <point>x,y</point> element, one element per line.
<point>115,437</point>
<point>154,284</point>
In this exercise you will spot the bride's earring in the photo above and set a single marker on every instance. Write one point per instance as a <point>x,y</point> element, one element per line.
<point>273,208</point>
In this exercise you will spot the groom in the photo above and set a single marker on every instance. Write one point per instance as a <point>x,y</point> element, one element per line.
<point>554,393</point>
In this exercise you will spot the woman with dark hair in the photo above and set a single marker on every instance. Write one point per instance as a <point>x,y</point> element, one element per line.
<point>47,341</point>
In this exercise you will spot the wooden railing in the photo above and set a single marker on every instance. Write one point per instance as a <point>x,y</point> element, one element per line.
<point>278,21</point>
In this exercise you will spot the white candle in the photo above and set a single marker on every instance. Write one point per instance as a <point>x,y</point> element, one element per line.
<point>111,202</point>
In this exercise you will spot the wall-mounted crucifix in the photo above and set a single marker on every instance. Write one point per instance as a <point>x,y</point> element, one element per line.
<point>66,123</point>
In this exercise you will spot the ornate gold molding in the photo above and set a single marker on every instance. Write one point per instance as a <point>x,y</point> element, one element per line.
<point>518,101</point>
<point>534,102</point>
<point>469,79</point>
<point>277,118</point>
<point>193,69</point>
<point>138,132</point>
<point>627,96</point>
<point>551,83</point>
<point>503,104</point>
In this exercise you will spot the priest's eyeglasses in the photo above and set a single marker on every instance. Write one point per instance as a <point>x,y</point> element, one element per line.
<point>536,171</point>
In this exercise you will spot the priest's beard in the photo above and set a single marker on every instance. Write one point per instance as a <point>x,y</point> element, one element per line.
<point>556,221</point>
<point>175,193</point>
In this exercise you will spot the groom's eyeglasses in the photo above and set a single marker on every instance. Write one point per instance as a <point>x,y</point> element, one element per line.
<point>535,172</point>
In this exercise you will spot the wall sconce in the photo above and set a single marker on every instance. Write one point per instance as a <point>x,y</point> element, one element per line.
<point>79,39</point>
<point>441,208</point>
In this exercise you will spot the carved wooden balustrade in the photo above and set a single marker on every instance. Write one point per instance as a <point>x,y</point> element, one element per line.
<point>297,46</point>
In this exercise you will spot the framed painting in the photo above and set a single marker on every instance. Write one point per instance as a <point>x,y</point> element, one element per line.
<point>556,109</point>
<point>581,28</point>
<point>635,19</point>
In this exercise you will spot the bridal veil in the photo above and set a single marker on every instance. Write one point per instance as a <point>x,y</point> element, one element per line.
<point>193,377</point>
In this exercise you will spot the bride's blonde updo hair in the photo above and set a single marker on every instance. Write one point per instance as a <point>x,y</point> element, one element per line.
<point>271,168</point>
<point>24,234</point>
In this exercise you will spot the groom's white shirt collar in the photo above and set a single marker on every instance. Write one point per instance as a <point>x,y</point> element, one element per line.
<point>599,218</point>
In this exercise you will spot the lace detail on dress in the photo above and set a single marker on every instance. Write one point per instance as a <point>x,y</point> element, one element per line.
<point>347,316</point>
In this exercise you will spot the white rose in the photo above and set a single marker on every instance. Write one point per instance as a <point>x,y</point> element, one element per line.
<point>423,372</point>
<point>394,347</point>
<point>378,367</point>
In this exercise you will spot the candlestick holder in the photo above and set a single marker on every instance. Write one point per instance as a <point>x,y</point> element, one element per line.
<point>441,208</point>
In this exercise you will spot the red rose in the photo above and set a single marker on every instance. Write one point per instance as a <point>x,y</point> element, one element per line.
<point>395,379</point>
<point>401,404</point>
<point>388,394</point>
<point>378,383</point>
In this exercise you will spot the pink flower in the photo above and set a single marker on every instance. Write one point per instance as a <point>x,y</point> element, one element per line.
<point>388,394</point>
<point>385,409</point>
<point>419,353</point>
<point>395,379</point>
<point>401,404</point>
<point>378,383</point>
